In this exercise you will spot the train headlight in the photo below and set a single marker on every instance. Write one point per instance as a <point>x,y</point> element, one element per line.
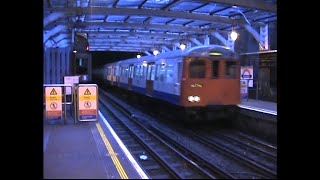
<point>196,98</point>
<point>193,98</point>
<point>190,98</point>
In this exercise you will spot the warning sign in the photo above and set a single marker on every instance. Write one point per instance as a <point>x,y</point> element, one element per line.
<point>53,92</point>
<point>87,92</point>
<point>87,103</point>
<point>53,102</point>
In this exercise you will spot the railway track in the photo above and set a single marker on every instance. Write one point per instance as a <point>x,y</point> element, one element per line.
<point>243,156</point>
<point>167,159</point>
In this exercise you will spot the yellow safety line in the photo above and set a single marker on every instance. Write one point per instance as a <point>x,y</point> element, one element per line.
<point>112,153</point>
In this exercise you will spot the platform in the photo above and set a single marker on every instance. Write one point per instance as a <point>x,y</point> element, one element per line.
<point>86,150</point>
<point>258,105</point>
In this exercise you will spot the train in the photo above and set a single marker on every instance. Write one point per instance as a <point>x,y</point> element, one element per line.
<point>203,81</point>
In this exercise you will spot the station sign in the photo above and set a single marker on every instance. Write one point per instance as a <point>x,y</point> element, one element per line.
<point>53,102</point>
<point>247,74</point>
<point>87,102</point>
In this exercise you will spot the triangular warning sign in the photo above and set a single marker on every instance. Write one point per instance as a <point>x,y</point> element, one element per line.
<point>87,92</point>
<point>53,92</point>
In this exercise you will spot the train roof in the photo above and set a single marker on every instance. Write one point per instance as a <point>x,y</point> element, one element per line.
<point>198,51</point>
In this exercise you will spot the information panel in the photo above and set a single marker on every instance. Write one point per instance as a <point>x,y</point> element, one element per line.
<point>70,80</point>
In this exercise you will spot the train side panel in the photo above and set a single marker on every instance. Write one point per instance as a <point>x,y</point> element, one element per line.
<point>167,80</point>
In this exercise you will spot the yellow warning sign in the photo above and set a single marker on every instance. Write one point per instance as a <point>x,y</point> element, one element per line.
<point>53,92</point>
<point>53,102</point>
<point>87,102</point>
<point>87,92</point>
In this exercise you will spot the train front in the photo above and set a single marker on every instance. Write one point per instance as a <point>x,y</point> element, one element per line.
<point>211,83</point>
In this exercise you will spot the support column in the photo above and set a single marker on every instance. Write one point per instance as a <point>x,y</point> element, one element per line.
<point>58,69</point>
<point>264,38</point>
<point>206,40</point>
<point>53,66</point>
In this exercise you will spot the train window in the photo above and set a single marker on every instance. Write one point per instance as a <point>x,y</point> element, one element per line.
<point>215,69</point>
<point>179,71</point>
<point>121,71</point>
<point>169,73</point>
<point>131,71</point>
<point>141,72</point>
<point>197,69</point>
<point>162,73</point>
<point>231,69</point>
<point>153,72</point>
<point>150,71</point>
<point>126,71</point>
<point>113,72</point>
<point>157,72</point>
<point>137,69</point>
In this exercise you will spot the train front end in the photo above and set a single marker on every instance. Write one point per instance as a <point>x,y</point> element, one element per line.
<point>210,84</point>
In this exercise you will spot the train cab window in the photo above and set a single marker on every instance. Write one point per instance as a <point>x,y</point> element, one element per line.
<point>215,69</point>
<point>197,69</point>
<point>231,69</point>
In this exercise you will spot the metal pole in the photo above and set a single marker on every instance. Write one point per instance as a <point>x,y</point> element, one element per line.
<point>257,89</point>
<point>65,105</point>
<point>248,89</point>
<point>75,105</point>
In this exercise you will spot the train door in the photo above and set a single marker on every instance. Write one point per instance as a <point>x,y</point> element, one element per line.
<point>177,84</point>
<point>130,77</point>
<point>112,75</point>
<point>150,78</point>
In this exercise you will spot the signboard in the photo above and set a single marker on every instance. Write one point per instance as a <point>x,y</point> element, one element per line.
<point>244,89</point>
<point>87,102</point>
<point>247,74</point>
<point>70,80</point>
<point>53,102</point>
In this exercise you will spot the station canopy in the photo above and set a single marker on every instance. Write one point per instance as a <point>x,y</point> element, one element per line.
<point>144,25</point>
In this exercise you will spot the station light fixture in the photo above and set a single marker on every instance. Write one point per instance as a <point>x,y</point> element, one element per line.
<point>234,35</point>
<point>138,56</point>
<point>182,46</point>
<point>155,52</point>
